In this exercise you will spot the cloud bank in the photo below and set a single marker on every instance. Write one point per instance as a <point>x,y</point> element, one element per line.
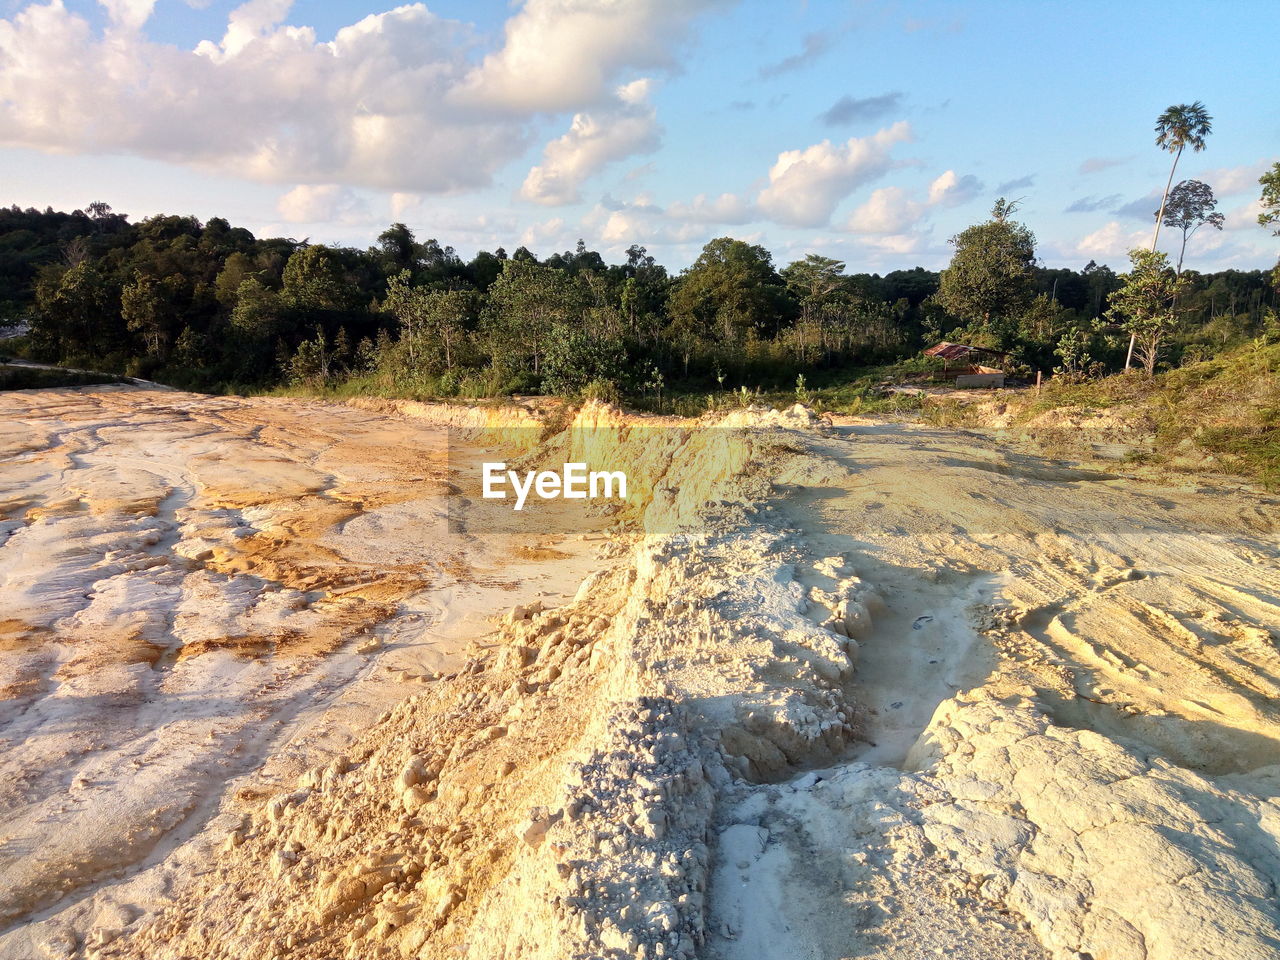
<point>402,100</point>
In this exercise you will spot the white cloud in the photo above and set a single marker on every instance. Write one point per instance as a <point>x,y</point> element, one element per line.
<point>897,244</point>
<point>1227,181</point>
<point>619,225</point>
<point>562,54</point>
<point>625,128</point>
<point>128,14</point>
<point>728,208</point>
<point>267,103</point>
<point>251,21</point>
<point>1112,240</point>
<point>1245,216</point>
<point>398,101</point>
<point>805,186</point>
<point>890,211</point>
<point>320,203</point>
<point>1098,164</point>
<point>547,234</point>
<point>952,190</point>
<point>402,204</point>
<point>1208,250</point>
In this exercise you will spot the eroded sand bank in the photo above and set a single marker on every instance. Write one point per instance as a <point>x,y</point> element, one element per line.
<point>894,692</point>
<point>191,587</point>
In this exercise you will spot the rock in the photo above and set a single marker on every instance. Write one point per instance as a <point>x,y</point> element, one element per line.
<point>515,657</point>
<point>540,821</point>
<point>414,773</point>
<point>54,941</point>
<point>415,797</point>
<point>524,611</point>
<point>857,620</point>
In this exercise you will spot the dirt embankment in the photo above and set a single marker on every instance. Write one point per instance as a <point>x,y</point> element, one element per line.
<point>872,690</point>
<point>1219,417</point>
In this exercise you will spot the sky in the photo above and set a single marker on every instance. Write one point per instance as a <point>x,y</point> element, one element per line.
<point>868,131</point>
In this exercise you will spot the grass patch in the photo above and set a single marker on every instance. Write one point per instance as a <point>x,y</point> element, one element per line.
<point>1254,452</point>
<point>1219,414</point>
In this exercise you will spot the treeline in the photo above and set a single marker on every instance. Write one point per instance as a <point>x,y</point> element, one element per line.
<point>209,306</point>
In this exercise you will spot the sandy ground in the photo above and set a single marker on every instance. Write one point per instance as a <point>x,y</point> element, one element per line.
<point>892,691</point>
<point>192,586</point>
<point>1049,597</point>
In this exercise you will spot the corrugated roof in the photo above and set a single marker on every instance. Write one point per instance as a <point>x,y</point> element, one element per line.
<point>958,351</point>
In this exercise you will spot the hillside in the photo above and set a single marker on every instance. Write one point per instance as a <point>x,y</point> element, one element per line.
<point>1221,415</point>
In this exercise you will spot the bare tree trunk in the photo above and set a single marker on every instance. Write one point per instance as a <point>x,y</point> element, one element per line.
<point>1156,238</point>
<point>1164,199</point>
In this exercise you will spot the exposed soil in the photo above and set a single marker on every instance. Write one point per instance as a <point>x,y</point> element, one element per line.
<point>865,689</point>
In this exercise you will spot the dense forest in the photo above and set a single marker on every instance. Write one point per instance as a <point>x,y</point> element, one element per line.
<point>211,307</point>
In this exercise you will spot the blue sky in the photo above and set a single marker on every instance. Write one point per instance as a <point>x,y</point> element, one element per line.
<point>868,131</point>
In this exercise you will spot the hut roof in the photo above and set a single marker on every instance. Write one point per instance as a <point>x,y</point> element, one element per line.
<point>957,351</point>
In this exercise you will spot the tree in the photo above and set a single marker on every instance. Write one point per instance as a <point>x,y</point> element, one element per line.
<point>430,318</point>
<point>1100,281</point>
<point>833,313</point>
<point>642,296</point>
<point>256,315</point>
<point>525,304</point>
<point>449,314</point>
<point>1270,216</point>
<point>1190,206</point>
<point>143,310</point>
<point>406,303</point>
<point>990,275</point>
<point>813,280</point>
<point>576,359</point>
<point>309,366</point>
<point>1144,304</point>
<point>729,291</point>
<point>235,270</point>
<point>398,248</point>
<point>484,268</point>
<point>313,280</point>
<point>76,311</point>
<point>1073,350</point>
<point>1270,182</point>
<point>1180,126</point>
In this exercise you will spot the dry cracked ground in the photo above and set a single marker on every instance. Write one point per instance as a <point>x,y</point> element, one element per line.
<point>864,689</point>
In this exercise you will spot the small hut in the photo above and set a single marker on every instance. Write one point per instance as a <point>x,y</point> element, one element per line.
<point>969,371</point>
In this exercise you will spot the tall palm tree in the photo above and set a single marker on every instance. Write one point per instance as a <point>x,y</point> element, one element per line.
<point>1179,127</point>
<point>1182,125</point>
